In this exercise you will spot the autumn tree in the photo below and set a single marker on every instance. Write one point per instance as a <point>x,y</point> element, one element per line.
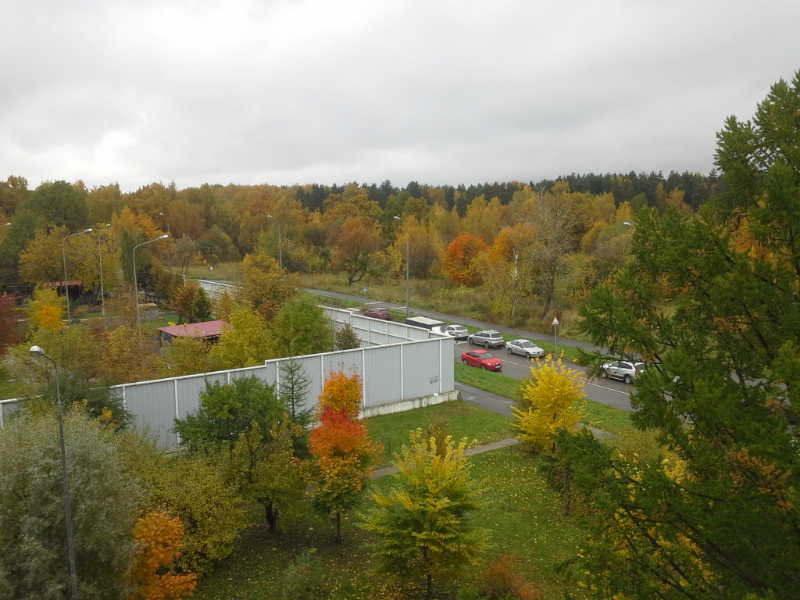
<point>9,323</point>
<point>425,524</point>
<point>710,299</point>
<point>201,306</point>
<point>345,338</point>
<point>46,310</point>
<point>549,401</point>
<point>245,343</point>
<point>461,260</point>
<point>183,299</point>
<point>228,410</point>
<point>302,327</point>
<point>343,456</point>
<point>354,248</point>
<point>128,356</point>
<point>342,392</point>
<point>159,538</point>
<point>264,286</point>
<point>58,203</point>
<point>554,221</point>
<point>187,356</point>
<point>268,472</point>
<point>105,501</point>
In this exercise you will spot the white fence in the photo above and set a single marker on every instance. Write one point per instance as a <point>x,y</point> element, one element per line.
<point>401,367</point>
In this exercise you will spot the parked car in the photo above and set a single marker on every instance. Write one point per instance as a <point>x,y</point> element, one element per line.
<point>524,347</point>
<point>488,338</point>
<point>379,313</point>
<point>457,331</point>
<point>481,359</point>
<point>624,370</point>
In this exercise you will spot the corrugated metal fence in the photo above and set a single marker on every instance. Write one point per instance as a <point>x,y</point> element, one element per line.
<point>397,363</point>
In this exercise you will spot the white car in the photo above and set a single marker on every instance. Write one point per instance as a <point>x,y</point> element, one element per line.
<point>524,347</point>
<point>457,331</point>
<point>623,369</point>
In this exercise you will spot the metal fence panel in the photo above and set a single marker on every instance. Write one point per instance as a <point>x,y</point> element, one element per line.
<point>189,388</point>
<point>421,369</point>
<point>382,378</point>
<point>153,404</point>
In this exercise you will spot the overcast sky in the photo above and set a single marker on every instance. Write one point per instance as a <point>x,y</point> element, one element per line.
<point>247,92</point>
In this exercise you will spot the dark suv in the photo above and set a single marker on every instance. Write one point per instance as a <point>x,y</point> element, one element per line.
<point>488,338</point>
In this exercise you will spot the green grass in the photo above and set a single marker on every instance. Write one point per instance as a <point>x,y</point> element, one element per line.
<point>598,414</point>
<point>463,420</point>
<point>522,516</point>
<point>228,271</point>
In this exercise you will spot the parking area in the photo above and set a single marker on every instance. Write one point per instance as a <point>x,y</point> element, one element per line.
<point>608,391</point>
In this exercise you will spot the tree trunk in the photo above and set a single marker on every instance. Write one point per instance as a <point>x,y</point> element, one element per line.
<point>338,539</point>
<point>272,517</point>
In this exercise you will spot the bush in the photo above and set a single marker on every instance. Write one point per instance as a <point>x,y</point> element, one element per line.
<point>503,581</point>
<point>33,548</point>
<point>304,578</point>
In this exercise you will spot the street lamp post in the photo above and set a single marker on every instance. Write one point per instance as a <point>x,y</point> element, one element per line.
<point>100,250</point>
<point>280,245</point>
<point>73,572</point>
<point>136,283</point>
<point>166,218</point>
<point>64,257</point>
<point>407,271</point>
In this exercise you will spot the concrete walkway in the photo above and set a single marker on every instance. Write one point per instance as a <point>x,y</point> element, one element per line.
<point>480,449</point>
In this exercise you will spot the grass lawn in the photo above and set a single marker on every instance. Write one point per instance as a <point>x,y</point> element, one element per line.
<point>600,415</point>
<point>522,516</point>
<point>463,420</point>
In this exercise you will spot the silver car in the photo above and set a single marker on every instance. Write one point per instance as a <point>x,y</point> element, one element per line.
<point>488,338</point>
<point>457,331</point>
<point>622,369</point>
<point>525,348</point>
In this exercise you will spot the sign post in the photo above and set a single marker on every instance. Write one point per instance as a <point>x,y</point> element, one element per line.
<point>364,289</point>
<point>555,333</point>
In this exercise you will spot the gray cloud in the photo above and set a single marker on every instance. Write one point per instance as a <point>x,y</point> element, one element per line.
<point>442,92</point>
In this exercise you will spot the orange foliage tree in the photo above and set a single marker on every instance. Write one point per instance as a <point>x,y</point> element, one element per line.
<point>160,538</point>
<point>342,452</point>
<point>342,392</point>
<point>460,260</point>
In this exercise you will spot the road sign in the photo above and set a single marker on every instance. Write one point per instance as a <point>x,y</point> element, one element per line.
<point>555,321</point>
<point>364,289</point>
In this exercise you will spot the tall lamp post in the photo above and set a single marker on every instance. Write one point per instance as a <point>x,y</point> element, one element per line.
<point>136,283</point>
<point>100,251</point>
<point>73,572</point>
<point>407,266</point>
<point>166,218</point>
<point>280,245</point>
<point>64,257</point>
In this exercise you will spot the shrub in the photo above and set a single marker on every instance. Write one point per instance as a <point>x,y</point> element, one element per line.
<point>503,581</point>
<point>304,578</point>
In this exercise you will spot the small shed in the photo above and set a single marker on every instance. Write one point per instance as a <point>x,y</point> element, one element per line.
<point>209,330</point>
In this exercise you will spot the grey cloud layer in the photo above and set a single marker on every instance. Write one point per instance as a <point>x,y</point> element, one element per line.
<point>444,92</point>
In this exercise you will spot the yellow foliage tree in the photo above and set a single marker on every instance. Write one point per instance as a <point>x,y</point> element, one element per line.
<point>550,401</point>
<point>246,343</point>
<point>624,213</point>
<point>47,310</point>
<point>342,392</point>
<point>160,538</point>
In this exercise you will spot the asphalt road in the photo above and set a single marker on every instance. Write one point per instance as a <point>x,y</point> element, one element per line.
<point>607,391</point>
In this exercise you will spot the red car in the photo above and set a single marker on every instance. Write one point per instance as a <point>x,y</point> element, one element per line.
<point>481,358</point>
<point>379,313</point>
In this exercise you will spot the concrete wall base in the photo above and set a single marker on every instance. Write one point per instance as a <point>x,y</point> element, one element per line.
<point>422,402</point>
